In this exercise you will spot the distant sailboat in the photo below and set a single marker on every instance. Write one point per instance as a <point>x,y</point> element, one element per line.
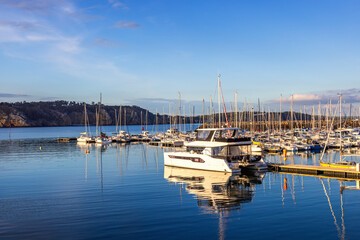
<point>102,139</point>
<point>342,163</point>
<point>85,136</point>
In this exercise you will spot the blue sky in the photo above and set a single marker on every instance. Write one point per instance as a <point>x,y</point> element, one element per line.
<point>145,52</point>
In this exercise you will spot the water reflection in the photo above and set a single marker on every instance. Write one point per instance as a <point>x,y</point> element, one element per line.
<point>215,191</point>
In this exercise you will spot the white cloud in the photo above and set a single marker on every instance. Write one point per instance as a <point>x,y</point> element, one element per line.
<point>348,95</point>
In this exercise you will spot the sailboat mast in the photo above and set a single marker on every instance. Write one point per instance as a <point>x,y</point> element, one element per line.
<point>292,111</point>
<point>203,108</point>
<point>179,112</point>
<point>340,122</point>
<point>319,117</point>
<point>184,119</point>
<point>211,115</point>
<point>219,100</point>
<point>85,117</point>
<point>236,115</point>
<point>280,113</point>
<point>120,118</point>
<point>100,120</point>
<point>313,118</point>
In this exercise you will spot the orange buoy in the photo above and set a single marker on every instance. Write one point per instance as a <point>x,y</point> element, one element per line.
<point>285,184</point>
<point>284,152</point>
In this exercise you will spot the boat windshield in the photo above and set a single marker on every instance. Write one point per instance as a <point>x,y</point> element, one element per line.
<point>225,133</point>
<point>203,135</point>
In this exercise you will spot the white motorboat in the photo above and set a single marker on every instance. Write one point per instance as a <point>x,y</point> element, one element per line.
<point>85,138</point>
<point>103,140</point>
<point>216,149</point>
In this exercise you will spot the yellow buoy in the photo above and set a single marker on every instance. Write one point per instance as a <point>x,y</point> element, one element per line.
<point>40,148</point>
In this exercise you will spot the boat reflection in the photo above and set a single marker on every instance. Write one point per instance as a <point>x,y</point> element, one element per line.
<point>215,191</point>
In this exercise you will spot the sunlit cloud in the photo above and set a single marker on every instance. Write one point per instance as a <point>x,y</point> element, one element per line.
<point>348,95</point>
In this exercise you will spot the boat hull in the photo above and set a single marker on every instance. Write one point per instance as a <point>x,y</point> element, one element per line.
<point>199,161</point>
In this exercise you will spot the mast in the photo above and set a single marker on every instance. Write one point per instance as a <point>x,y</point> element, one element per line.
<point>170,115</point>
<point>280,115</point>
<point>219,100</point>
<point>211,115</point>
<point>340,123</point>
<point>179,112</point>
<point>156,121</point>
<point>116,121</point>
<point>85,117</point>
<point>193,114</point>
<point>319,117</point>
<point>99,117</point>
<point>313,118</point>
<point>236,115</point>
<point>163,120</point>
<point>146,119</point>
<point>184,119</point>
<point>120,118</point>
<point>125,118</point>
<point>203,108</point>
<point>141,122</point>
<point>292,111</point>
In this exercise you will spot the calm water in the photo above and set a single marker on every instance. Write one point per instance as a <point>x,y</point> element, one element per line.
<point>124,192</point>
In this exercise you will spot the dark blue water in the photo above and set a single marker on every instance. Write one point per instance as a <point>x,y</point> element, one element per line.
<point>70,191</point>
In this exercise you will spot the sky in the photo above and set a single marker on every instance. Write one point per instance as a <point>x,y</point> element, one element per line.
<point>146,52</point>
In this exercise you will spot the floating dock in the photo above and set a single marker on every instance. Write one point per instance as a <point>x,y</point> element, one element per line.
<point>66,139</point>
<point>172,143</point>
<point>315,170</point>
<point>154,143</point>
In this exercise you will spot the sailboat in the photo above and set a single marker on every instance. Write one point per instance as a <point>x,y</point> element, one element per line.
<point>102,139</point>
<point>85,136</point>
<point>342,163</point>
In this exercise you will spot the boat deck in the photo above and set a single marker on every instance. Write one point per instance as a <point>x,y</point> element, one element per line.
<point>315,170</point>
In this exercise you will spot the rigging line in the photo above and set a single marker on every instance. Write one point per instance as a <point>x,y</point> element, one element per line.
<point>222,95</point>
<point>328,136</point>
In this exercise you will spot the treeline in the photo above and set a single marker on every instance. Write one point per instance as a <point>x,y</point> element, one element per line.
<point>65,113</point>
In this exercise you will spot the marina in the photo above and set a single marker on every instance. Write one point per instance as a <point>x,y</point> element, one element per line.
<point>179,120</point>
<point>129,187</point>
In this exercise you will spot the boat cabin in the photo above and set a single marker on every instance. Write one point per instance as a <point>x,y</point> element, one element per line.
<point>225,143</point>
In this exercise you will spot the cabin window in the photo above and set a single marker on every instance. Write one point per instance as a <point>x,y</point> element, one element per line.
<point>202,135</point>
<point>239,150</point>
<point>195,149</point>
<point>225,133</point>
<point>219,151</point>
